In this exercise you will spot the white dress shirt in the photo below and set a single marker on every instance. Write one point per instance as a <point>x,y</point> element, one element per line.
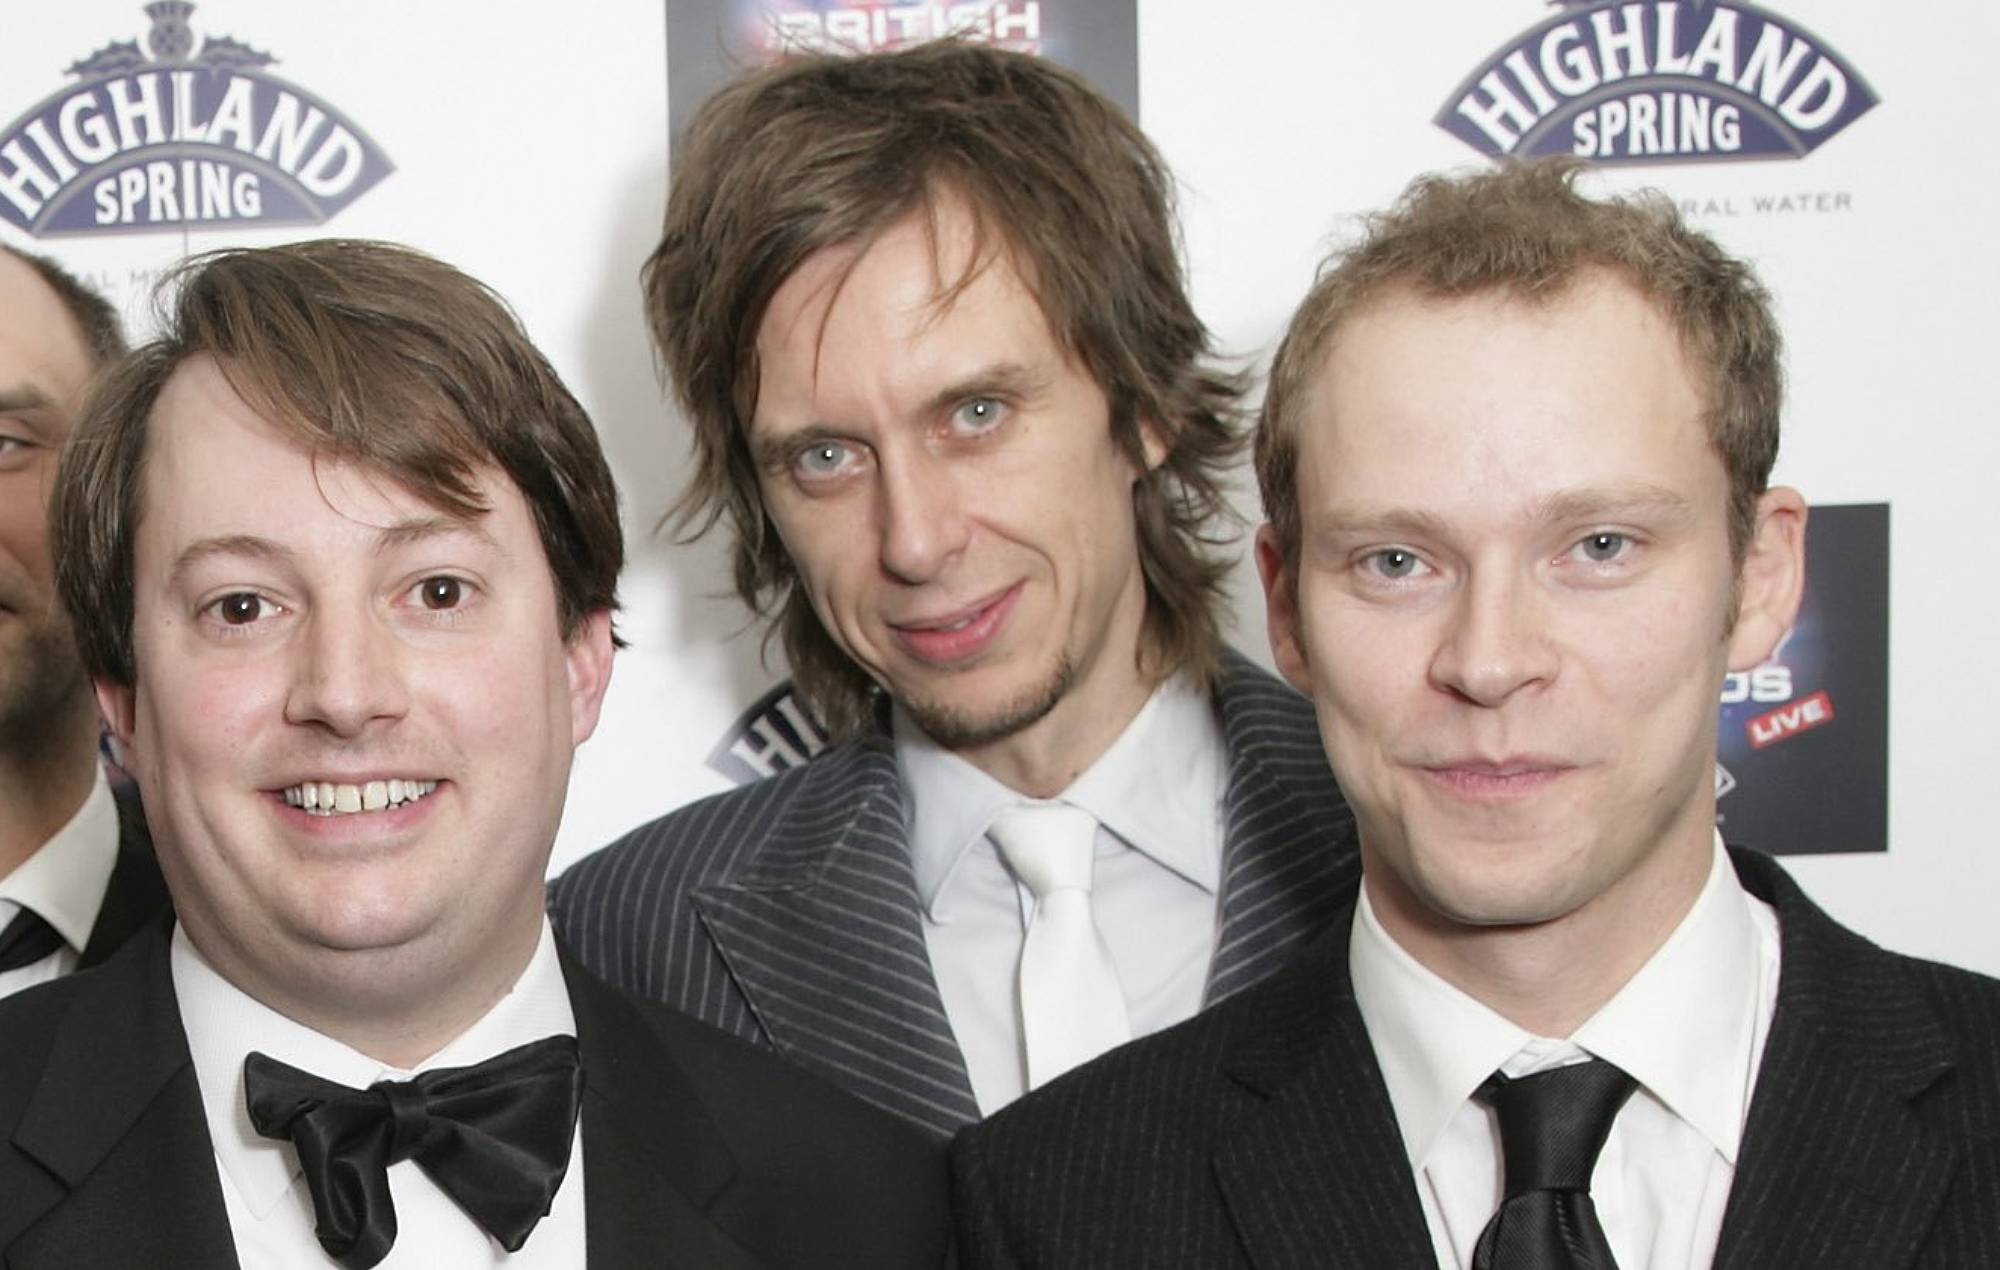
<point>1689,1027</point>
<point>265,1193</point>
<point>1157,796</point>
<point>64,884</point>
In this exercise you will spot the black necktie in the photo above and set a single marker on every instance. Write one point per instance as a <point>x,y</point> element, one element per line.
<point>27,940</point>
<point>1552,1125</point>
<point>495,1137</point>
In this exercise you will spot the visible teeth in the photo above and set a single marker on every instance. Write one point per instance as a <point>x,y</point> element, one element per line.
<point>324,798</point>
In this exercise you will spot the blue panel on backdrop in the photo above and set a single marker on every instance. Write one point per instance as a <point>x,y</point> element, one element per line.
<point>1804,748</point>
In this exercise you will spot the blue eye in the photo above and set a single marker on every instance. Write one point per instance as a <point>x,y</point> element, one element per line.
<point>1394,562</point>
<point>1603,547</point>
<point>980,414</point>
<point>821,458</point>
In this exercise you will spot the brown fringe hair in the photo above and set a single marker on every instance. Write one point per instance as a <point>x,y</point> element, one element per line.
<point>368,353</point>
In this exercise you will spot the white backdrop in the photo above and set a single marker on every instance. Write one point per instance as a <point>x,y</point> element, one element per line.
<point>530,146</point>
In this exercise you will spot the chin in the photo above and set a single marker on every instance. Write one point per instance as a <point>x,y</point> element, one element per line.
<point>964,726</point>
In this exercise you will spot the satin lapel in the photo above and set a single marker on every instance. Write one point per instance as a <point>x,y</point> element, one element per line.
<point>1837,1169</point>
<point>1314,1173</point>
<point>823,934</point>
<point>653,1160</point>
<point>136,893</point>
<point>1290,861</point>
<point>117,1120</point>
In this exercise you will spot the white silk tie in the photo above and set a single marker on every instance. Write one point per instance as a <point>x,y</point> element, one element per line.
<point>1072,1008</point>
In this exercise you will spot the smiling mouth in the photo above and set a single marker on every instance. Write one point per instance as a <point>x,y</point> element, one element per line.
<point>958,636</point>
<point>332,798</point>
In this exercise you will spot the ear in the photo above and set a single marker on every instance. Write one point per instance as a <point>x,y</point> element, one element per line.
<point>1281,610</point>
<point>589,658</point>
<point>118,704</point>
<point>1153,442</point>
<point>1772,580</point>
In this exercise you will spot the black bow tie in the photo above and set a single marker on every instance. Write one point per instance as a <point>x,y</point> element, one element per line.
<point>495,1137</point>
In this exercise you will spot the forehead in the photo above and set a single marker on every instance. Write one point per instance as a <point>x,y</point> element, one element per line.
<point>920,300</point>
<point>1493,396</point>
<point>40,345</point>
<point>215,467</point>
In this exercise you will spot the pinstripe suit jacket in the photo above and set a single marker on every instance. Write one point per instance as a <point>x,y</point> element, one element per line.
<point>786,911</point>
<point>1261,1134</point>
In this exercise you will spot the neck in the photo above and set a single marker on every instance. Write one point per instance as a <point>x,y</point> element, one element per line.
<point>390,1004</point>
<point>45,774</point>
<point>1550,977</point>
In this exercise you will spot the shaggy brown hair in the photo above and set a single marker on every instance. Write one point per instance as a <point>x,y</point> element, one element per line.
<point>368,353</point>
<point>1525,230</point>
<point>824,151</point>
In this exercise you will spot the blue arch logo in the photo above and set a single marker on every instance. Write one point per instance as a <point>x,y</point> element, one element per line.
<point>173,136</point>
<point>1666,81</point>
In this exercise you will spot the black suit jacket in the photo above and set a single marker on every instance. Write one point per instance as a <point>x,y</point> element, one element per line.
<point>136,895</point>
<point>1260,1134</point>
<point>786,911</point>
<point>698,1151</point>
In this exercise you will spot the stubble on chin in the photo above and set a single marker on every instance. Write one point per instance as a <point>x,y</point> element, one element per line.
<point>957,728</point>
<point>39,676</point>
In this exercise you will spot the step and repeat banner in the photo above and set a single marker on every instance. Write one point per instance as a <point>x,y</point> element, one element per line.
<point>1842,146</point>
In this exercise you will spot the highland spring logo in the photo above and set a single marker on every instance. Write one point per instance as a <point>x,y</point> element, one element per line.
<point>1658,82</point>
<point>180,138</point>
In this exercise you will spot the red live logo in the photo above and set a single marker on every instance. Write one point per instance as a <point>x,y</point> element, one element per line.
<point>1790,719</point>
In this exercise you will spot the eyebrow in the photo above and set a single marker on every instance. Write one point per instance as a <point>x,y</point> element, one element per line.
<point>1653,502</point>
<point>253,547</point>
<point>1001,379</point>
<point>23,397</point>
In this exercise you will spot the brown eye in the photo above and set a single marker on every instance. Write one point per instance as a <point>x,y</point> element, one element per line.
<point>441,593</point>
<point>240,608</point>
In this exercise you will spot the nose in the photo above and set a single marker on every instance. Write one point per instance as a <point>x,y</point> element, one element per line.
<point>1497,642</point>
<point>921,516</point>
<point>346,675</point>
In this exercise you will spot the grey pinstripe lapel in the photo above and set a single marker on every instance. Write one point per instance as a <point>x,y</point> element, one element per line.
<point>1840,1170</point>
<point>1290,861</point>
<point>820,926</point>
<point>821,929</point>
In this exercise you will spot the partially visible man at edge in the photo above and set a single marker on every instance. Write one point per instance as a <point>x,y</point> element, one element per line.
<point>1516,457</point>
<point>925,314</point>
<point>341,553</point>
<point>77,874</point>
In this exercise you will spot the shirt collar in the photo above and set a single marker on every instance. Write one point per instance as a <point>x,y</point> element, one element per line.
<point>224,1023</point>
<point>65,880</point>
<point>1685,1026</point>
<point>1156,788</point>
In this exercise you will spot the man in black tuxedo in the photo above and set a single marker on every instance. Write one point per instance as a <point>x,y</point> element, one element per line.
<point>1516,454</point>
<point>77,875</point>
<point>341,553</point>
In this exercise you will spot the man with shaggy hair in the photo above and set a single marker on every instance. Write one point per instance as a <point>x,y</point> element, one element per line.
<point>924,313</point>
